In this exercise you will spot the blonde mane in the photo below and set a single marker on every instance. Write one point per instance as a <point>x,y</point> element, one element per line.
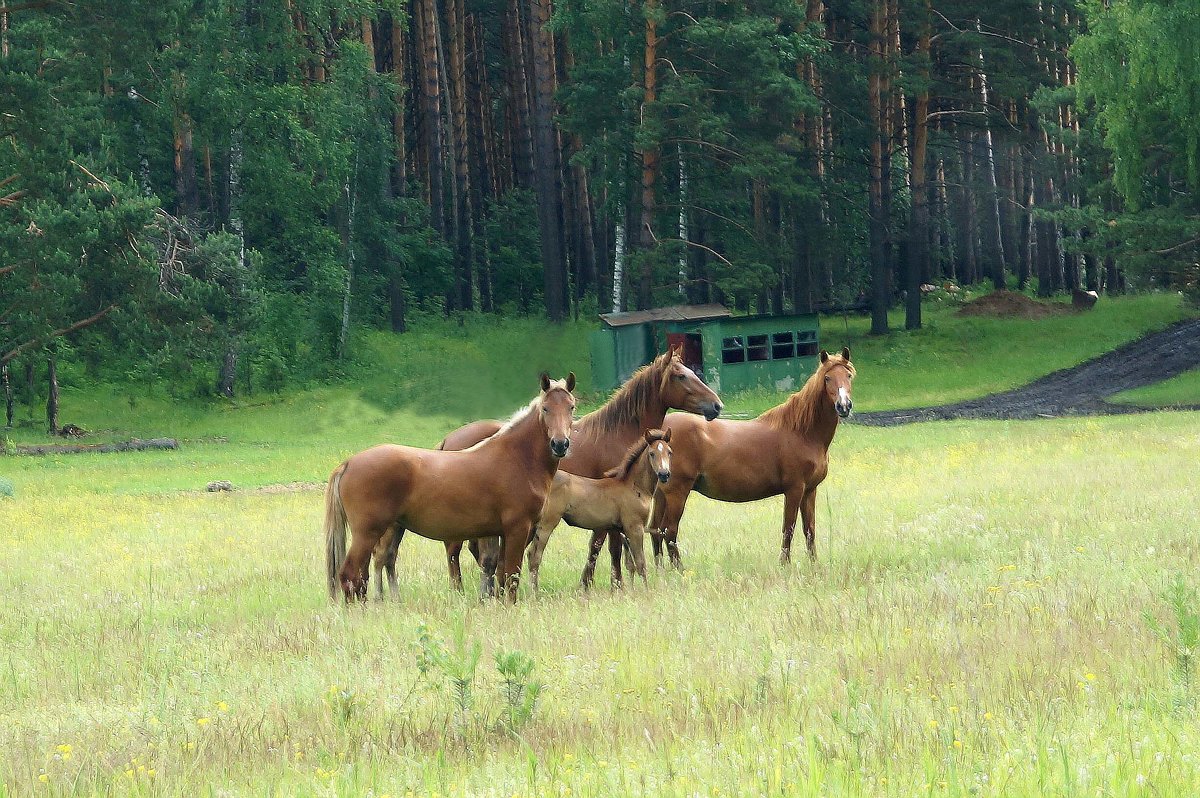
<point>799,412</point>
<point>632,400</point>
<point>633,453</point>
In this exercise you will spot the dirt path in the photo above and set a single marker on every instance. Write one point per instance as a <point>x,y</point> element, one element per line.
<point>1077,391</point>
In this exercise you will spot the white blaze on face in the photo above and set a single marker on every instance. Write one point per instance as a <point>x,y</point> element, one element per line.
<point>843,395</point>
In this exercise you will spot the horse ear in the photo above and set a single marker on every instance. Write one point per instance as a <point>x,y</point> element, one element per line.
<point>846,353</point>
<point>824,356</point>
<point>545,382</point>
<point>570,381</point>
<point>667,436</point>
<point>648,436</point>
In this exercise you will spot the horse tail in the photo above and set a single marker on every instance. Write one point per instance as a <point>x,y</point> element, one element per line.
<point>335,529</point>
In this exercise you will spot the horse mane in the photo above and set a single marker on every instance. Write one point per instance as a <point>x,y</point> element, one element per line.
<point>631,401</point>
<point>522,413</point>
<point>799,411</point>
<point>633,453</point>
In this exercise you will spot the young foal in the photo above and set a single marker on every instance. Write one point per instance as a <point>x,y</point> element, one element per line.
<point>619,503</point>
<point>598,440</point>
<point>783,451</point>
<point>495,488</point>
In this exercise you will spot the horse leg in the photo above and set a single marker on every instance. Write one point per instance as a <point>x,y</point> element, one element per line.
<point>377,561</point>
<point>355,571</point>
<point>487,553</point>
<point>657,511</point>
<point>615,539</point>
<point>453,555</point>
<point>539,536</point>
<point>635,555</point>
<point>808,514</point>
<point>791,503</point>
<point>389,560</point>
<point>513,544</point>
<point>676,500</point>
<point>589,569</point>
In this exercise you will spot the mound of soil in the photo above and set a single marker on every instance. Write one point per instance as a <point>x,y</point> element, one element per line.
<point>1011,305</point>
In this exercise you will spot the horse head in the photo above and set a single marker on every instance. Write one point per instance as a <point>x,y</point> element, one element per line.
<point>681,389</point>
<point>658,453</point>
<point>839,374</point>
<point>557,412</point>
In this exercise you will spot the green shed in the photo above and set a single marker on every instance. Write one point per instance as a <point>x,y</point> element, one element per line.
<point>730,353</point>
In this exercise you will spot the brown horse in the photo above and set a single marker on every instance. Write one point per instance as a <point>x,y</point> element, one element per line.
<point>618,504</point>
<point>495,488</point>
<point>783,451</point>
<point>598,441</point>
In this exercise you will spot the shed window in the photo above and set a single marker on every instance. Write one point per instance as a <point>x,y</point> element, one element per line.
<point>756,348</point>
<point>806,343</point>
<point>783,345</point>
<point>733,350</point>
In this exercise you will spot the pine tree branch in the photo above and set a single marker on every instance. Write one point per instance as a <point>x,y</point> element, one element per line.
<point>1177,247</point>
<point>79,325</point>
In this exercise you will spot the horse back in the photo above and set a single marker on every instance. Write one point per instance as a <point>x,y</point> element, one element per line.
<point>468,435</point>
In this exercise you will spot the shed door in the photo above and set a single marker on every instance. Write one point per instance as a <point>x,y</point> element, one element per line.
<point>693,354</point>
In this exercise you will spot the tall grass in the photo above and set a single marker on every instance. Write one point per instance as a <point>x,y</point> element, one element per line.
<point>976,626</point>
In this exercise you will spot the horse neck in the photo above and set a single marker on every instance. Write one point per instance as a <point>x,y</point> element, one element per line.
<point>824,424</point>
<point>822,421</point>
<point>641,476</point>
<point>625,430</point>
<point>526,436</point>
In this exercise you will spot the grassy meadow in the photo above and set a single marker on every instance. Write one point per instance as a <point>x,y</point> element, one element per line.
<point>991,615</point>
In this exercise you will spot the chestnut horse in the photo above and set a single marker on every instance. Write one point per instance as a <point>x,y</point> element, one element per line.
<point>495,488</point>
<point>598,441</point>
<point>783,451</point>
<point>618,504</point>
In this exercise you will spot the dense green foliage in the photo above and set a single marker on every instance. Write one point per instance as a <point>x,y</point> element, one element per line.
<point>214,197</point>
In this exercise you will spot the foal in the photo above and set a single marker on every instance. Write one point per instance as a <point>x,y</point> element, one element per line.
<point>619,502</point>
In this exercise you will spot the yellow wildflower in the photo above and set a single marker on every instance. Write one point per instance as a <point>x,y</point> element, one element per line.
<point>203,721</point>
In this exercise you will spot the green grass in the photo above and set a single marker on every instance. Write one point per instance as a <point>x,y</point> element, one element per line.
<point>974,628</point>
<point>1182,390</point>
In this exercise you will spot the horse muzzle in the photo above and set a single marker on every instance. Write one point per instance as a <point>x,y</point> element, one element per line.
<point>844,408</point>
<point>663,476</point>
<point>712,409</point>
<point>559,446</point>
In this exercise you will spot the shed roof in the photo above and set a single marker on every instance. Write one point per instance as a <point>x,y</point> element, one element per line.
<point>672,313</point>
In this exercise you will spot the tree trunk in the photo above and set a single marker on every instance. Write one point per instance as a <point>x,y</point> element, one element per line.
<point>52,399</point>
<point>227,379</point>
<point>519,94</point>
<point>431,94</point>
<point>918,230</point>
<point>651,155</point>
<point>399,133</point>
<point>618,270</point>
<point>463,231</point>
<point>880,294</point>
<point>546,168</point>
<point>8,396</point>
<point>996,227</point>
<point>482,183</point>
<point>350,190</point>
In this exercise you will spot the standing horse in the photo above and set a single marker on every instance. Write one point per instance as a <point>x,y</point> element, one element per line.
<point>618,504</point>
<point>598,440</point>
<point>497,487</point>
<point>783,451</point>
